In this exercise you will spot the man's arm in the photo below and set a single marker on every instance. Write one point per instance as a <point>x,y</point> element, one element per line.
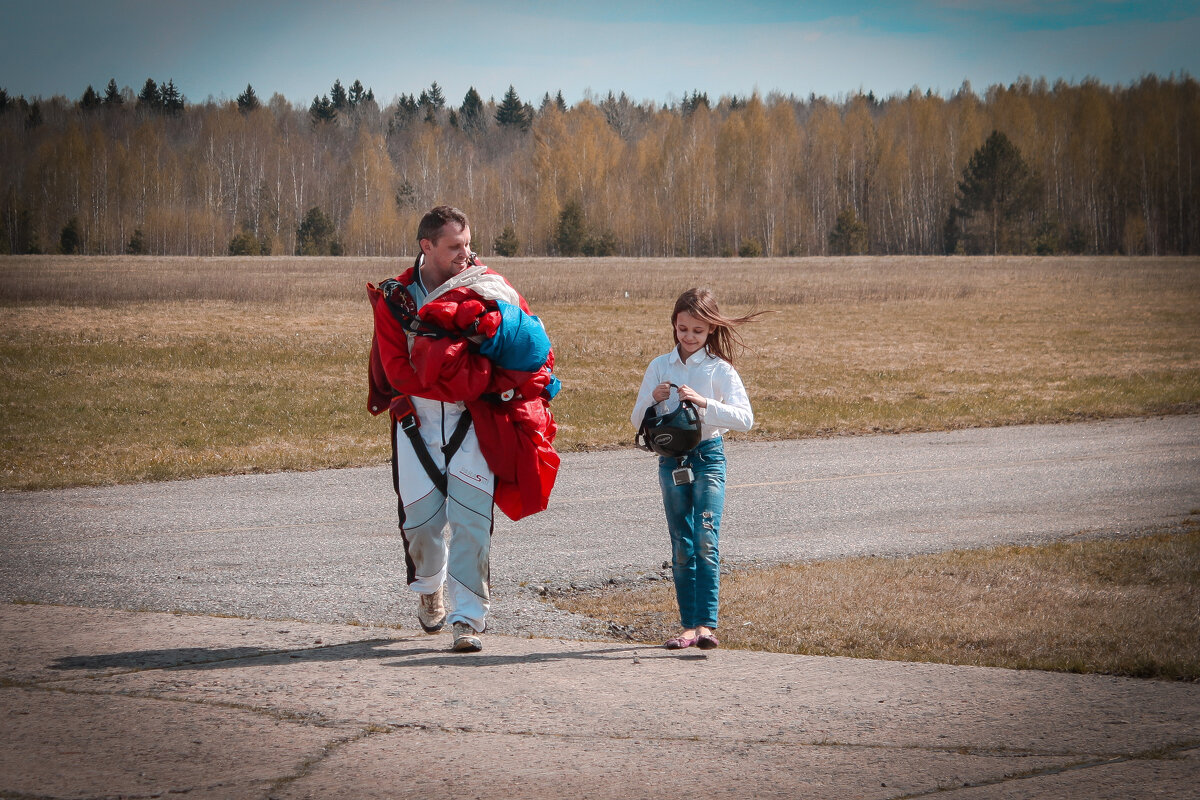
<point>438,369</point>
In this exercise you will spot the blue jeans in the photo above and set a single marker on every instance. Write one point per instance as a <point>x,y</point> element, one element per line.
<point>694,520</point>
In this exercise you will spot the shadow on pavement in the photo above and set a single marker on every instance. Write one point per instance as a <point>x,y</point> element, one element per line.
<point>200,658</point>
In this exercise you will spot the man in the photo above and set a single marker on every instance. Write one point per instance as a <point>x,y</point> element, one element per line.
<point>467,375</point>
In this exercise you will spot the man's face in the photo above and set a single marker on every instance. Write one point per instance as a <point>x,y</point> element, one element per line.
<point>447,256</point>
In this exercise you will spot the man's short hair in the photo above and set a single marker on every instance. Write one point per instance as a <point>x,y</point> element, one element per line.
<point>436,219</point>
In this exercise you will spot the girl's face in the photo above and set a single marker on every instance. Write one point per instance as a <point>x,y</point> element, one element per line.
<point>691,333</point>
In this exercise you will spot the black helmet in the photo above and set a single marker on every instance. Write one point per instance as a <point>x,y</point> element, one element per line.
<point>672,434</point>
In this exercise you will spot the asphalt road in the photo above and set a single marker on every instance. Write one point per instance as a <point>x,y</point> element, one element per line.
<point>323,546</point>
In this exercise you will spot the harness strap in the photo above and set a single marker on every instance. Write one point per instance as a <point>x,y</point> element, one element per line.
<point>412,322</point>
<point>408,320</point>
<point>456,438</point>
<point>409,424</point>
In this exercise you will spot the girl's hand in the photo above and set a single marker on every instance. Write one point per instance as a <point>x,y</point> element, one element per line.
<point>661,392</point>
<point>690,394</point>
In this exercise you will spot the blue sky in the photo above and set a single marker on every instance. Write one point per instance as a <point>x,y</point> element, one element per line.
<point>650,50</point>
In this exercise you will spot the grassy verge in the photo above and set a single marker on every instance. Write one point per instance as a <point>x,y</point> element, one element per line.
<point>1126,607</point>
<point>126,369</point>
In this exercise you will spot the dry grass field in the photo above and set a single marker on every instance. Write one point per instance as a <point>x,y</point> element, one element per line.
<point>118,369</point>
<point>1127,607</point>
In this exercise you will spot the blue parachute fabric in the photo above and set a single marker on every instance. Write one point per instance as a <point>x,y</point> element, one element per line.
<point>520,343</point>
<point>553,387</point>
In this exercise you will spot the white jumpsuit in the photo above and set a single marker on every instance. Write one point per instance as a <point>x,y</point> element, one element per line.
<point>460,560</point>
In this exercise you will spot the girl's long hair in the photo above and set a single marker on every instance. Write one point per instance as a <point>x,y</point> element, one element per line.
<point>701,304</point>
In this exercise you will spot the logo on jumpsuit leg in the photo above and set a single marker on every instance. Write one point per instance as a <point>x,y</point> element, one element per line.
<point>470,477</point>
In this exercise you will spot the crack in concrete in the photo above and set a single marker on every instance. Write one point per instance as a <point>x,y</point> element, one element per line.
<point>330,748</point>
<point>311,718</point>
<point>1162,752</point>
<point>963,750</point>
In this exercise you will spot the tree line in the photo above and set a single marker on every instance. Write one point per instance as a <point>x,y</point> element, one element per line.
<point>1025,168</point>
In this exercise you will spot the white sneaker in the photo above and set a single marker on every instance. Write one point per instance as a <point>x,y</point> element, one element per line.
<point>465,640</point>
<point>432,613</point>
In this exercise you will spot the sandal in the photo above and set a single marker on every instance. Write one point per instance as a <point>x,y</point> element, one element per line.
<point>680,642</point>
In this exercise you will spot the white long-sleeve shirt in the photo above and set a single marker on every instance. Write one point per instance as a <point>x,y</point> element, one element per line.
<point>713,378</point>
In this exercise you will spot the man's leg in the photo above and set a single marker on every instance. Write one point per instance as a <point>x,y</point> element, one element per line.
<point>423,525</point>
<point>469,513</point>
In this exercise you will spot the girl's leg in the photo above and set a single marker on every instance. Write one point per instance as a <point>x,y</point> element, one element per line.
<point>708,503</point>
<point>677,503</point>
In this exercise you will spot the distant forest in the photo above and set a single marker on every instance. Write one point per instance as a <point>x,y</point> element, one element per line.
<point>1026,168</point>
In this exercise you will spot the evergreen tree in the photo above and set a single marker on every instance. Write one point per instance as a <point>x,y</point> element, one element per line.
<point>315,235</point>
<point>750,248</point>
<point>337,96</point>
<point>406,196</point>
<point>693,101</point>
<point>434,97</point>
<point>951,237</point>
<point>5,102</point>
<point>511,112</point>
<point>570,231</point>
<point>1047,240</point>
<point>149,97</point>
<point>172,99</point>
<point>90,99</point>
<point>248,101</point>
<point>849,235</point>
<point>405,113</point>
<point>71,239</point>
<point>358,94</point>
<point>137,243</point>
<point>470,113</point>
<point>322,110</point>
<point>556,102</point>
<point>601,243</point>
<point>34,119</point>
<point>244,244</point>
<point>996,190</point>
<point>112,95</point>
<point>25,237</point>
<point>506,243</point>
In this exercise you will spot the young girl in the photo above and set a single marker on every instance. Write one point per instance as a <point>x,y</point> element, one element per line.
<point>700,370</point>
